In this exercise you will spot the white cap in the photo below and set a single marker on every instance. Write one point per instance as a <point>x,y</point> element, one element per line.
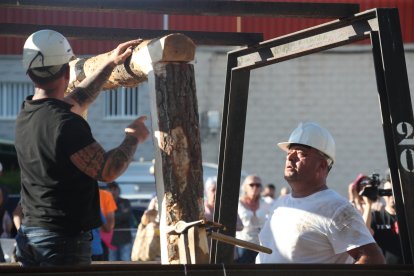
<point>312,135</point>
<point>46,48</point>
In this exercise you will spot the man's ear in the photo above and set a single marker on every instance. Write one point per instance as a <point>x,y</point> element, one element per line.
<point>323,165</point>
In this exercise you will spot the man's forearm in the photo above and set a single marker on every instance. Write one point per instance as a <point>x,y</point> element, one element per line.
<point>89,89</point>
<point>118,159</point>
<point>105,166</point>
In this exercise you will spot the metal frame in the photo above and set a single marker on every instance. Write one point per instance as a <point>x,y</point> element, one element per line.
<point>199,7</point>
<point>117,34</point>
<point>383,28</point>
<point>172,7</point>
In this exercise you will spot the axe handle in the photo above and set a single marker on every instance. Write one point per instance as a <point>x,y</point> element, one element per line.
<point>241,243</point>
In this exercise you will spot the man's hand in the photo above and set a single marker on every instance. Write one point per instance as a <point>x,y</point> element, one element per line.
<point>367,254</point>
<point>138,129</point>
<point>87,91</point>
<point>123,51</point>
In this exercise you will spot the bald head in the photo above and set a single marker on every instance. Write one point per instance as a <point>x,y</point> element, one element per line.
<point>251,180</point>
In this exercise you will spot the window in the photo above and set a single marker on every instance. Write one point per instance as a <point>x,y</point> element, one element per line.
<point>122,103</point>
<point>12,95</point>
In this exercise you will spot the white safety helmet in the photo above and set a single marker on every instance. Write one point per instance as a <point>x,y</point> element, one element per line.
<point>312,135</point>
<point>46,48</point>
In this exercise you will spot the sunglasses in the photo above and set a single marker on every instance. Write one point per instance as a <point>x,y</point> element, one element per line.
<point>255,185</point>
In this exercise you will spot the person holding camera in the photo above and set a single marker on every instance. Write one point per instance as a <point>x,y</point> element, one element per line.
<point>363,195</point>
<point>383,223</point>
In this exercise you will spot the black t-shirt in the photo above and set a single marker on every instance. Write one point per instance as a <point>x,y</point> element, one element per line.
<point>54,193</point>
<point>386,235</point>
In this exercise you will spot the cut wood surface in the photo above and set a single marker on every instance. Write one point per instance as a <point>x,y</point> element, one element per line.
<point>171,48</point>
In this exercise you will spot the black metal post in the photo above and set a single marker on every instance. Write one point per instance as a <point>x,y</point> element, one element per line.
<point>232,141</point>
<point>398,123</point>
<point>231,62</point>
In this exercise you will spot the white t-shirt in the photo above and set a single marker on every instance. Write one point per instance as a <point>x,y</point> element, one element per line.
<point>252,221</point>
<point>319,228</point>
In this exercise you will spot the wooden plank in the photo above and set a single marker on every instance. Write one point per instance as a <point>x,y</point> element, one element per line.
<point>304,42</point>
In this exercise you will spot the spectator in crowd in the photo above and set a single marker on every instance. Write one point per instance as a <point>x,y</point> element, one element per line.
<point>383,224</point>
<point>269,193</point>
<point>147,240</point>
<point>153,204</point>
<point>314,224</point>
<point>253,212</point>
<point>18,215</point>
<point>284,191</point>
<point>108,208</point>
<point>96,244</point>
<point>5,220</point>
<point>210,197</point>
<point>121,238</point>
<point>358,201</point>
<point>59,159</point>
<point>1,169</point>
<point>210,192</point>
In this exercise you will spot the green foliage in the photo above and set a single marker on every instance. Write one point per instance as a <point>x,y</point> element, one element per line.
<point>11,180</point>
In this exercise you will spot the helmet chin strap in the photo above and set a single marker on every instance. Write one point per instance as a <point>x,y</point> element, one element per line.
<point>35,57</point>
<point>44,71</point>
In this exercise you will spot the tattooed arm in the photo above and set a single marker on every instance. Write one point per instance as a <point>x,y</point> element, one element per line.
<point>89,88</point>
<point>107,166</point>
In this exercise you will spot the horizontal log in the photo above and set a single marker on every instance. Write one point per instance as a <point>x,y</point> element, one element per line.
<point>170,48</point>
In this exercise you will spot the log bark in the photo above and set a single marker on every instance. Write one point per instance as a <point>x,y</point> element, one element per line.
<point>170,48</point>
<point>179,172</point>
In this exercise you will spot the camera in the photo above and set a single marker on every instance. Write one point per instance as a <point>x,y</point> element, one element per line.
<point>369,187</point>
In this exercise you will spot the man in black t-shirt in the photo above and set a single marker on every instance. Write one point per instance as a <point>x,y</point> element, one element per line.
<point>60,161</point>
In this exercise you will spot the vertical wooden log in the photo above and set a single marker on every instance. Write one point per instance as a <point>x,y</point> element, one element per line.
<point>178,170</point>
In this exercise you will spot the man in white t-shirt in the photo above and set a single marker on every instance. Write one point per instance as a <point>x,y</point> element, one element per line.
<point>314,224</point>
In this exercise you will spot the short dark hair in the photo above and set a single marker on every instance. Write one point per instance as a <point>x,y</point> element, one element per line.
<point>50,78</point>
